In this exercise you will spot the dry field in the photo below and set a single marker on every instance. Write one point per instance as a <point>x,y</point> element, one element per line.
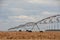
<point>30,35</point>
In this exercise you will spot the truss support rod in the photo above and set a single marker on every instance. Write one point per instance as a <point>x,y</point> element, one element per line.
<point>32,28</point>
<point>38,27</point>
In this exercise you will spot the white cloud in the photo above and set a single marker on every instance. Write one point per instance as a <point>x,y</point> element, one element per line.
<point>16,10</point>
<point>22,18</point>
<point>3,22</point>
<point>46,2</point>
<point>3,5</point>
<point>42,2</point>
<point>46,13</point>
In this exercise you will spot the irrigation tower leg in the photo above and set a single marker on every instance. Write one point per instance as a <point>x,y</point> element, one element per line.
<point>38,27</point>
<point>32,28</point>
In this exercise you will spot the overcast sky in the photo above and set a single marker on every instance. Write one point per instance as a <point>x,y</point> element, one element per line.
<point>16,12</point>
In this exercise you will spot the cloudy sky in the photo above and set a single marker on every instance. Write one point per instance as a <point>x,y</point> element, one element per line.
<point>16,12</point>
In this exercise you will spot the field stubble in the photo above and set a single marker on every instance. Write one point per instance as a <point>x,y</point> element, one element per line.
<point>30,35</point>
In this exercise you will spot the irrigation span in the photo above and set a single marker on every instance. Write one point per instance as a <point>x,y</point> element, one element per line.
<point>46,24</point>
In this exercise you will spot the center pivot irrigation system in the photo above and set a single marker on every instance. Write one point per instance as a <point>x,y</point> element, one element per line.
<point>51,22</point>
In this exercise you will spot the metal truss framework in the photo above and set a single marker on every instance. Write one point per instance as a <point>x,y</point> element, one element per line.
<point>48,20</point>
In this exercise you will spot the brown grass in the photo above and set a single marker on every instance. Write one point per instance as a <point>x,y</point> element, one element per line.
<point>30,35</point>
